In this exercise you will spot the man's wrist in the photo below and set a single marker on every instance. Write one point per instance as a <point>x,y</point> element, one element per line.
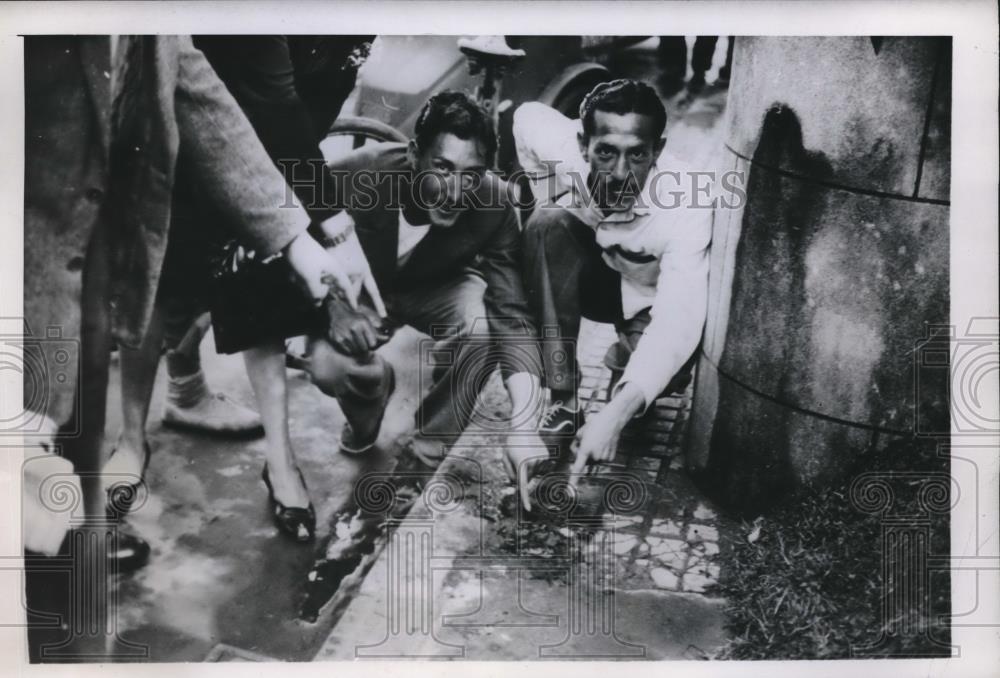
<point>335,230</point>
<point>527,401</point>
<point>627,402</point>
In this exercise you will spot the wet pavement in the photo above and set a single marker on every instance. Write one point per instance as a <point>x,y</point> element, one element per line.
<point>220,572</point>
<point>410,562</point>
<point>622,568</point>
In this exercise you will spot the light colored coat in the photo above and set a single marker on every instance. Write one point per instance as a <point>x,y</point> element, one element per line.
<point>70,185</point>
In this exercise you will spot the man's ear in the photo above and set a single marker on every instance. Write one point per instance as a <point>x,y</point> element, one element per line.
<point>581,139</point>
<point>412,153</point>
<point>658,147</point>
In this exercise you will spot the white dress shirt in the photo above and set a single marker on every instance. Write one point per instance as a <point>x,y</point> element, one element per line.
<point>409,237</point>
<point>666,226</point>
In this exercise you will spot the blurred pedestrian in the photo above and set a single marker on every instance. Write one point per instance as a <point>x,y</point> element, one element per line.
<point>673,62</point>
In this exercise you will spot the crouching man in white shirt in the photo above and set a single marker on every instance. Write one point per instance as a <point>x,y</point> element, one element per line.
<point>624,244</point>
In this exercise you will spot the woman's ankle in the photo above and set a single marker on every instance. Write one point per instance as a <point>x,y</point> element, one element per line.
<point>131,444</point>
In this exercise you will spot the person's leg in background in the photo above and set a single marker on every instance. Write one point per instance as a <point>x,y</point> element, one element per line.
<point>265,365</point>
<point>86,449</point>
<point>97,548</point>
<point>629,333</point>
<point>672,51</point>
<point>195,238</point>
<point>127,462</point>
<point>701,61</point>
<point>727,68</point>
<point>191,404</point>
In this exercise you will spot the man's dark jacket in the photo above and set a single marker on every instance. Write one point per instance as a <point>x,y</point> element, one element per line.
<point>486,239</point>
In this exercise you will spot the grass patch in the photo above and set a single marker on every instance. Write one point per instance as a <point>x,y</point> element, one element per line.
<point>811,586</point>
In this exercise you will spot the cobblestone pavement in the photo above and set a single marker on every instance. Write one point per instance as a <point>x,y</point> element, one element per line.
<point>623,568</point>
<point>675,546</point>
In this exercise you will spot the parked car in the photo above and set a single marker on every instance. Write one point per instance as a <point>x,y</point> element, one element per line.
<point>404,70</point>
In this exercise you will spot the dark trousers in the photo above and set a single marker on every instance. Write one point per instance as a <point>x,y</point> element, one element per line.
<point>455,362</point>
<point>82,596</point>
<point>566,279</point>
<point>90,404</point>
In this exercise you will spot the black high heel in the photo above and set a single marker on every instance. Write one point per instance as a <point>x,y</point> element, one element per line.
<point>121,495</point>
<point>296,522</point>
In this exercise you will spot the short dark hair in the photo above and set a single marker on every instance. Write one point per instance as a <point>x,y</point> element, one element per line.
<point>621,97</point>
<point>456,113</point>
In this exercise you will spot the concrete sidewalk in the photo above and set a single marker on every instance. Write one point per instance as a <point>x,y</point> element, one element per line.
<point>220,574</point>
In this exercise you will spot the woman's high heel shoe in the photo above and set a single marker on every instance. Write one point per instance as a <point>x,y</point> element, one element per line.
<point>297,522</point>
<point>122,495</point>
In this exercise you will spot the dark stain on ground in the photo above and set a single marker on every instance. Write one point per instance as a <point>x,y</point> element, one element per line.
<point>357,531</point>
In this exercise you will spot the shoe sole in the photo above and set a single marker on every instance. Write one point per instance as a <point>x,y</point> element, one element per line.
<point>565,429</point>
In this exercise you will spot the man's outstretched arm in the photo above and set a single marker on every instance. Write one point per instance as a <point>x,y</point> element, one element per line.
<point>678,317</point>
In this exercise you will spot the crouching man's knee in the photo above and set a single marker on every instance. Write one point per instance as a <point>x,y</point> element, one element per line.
<point>337,374</point>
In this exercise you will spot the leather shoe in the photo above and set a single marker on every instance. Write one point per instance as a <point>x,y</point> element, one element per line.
<point>121,495</point>
<point>354,441</point>
<point>126,552</point>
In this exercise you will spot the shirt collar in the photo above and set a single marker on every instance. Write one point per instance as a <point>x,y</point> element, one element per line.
<point>584,209</point>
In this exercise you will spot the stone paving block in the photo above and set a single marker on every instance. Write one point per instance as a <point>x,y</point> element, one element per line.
<point>664,578</point>
<point>666,527</point>
<point>671,553</point>
<point>621,520</point>
<point>698,532</point>
<point>706,549</point>
<point>662,545</point>
<point>703,512</point>
<point>695,583</point>
<point>624,543</point>
<point>698,579</point>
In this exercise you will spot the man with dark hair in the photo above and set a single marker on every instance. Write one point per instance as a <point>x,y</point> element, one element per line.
<point>443,242</point>
<point>620,247</point>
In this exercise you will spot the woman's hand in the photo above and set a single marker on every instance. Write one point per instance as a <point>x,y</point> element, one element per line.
<point>350,257</point>
<point>313,264</point>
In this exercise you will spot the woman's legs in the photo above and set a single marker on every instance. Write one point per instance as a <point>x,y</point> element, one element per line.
<point>266,369</point>
<point>138,375</point>
<point>191,404</point>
